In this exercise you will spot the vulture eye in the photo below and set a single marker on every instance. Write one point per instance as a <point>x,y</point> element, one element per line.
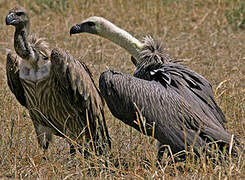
<point>91,23</point>
<point>19,13</point>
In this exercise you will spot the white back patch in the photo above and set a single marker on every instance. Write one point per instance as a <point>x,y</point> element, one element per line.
<point>27,72</point>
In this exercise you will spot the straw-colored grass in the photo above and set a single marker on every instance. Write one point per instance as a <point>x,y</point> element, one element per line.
<point>207,35</point>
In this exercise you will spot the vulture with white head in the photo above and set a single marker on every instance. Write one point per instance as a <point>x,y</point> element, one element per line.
<point>175,101</point>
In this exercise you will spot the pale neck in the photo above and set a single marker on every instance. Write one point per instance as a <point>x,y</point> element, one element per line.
<point>121,38</point>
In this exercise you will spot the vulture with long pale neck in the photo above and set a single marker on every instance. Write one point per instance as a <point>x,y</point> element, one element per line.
<point>175,102</point>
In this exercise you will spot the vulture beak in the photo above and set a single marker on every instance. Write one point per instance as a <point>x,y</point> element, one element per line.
<point>75,29</point>
<point>10,19</point>
<point>86,26</point>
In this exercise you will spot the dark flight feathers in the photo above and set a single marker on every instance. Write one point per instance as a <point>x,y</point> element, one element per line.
<point>191,86</point>
<point>172,114</point>
<point>13,80</point>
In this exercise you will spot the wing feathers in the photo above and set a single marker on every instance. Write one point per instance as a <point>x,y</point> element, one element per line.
<point>172,114</point>
<point>14,83</point>
<point>74,74</point>
<point>187,81</point>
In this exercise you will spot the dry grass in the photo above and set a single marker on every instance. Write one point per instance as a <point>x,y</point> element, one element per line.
<point>195,31</point>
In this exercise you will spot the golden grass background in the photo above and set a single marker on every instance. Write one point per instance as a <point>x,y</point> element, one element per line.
<point>195,31</point>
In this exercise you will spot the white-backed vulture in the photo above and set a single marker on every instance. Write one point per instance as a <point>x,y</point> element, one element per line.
<point>56,88</point>
<point>177,101</point>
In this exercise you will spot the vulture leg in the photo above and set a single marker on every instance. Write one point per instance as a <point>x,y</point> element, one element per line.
<point>161,150</point>
<point>44,135</point>
<point>72,150</point>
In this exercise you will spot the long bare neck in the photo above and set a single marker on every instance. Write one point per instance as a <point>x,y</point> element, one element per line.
<point>21,44</point>
<point>122,38</point>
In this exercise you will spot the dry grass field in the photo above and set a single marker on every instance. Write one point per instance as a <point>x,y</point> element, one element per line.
<point>208,36</point>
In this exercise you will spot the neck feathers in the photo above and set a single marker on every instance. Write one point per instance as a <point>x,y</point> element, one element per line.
<point>146,53</point>
<point>21,44</point>
<point>153,52</point>
<point>151,56</point>
<point>29,47</point>
<point>121,38</point>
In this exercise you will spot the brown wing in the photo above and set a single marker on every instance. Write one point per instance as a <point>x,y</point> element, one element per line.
<point>76,78</point>
<point>74,74</point>
<point>12,71</point>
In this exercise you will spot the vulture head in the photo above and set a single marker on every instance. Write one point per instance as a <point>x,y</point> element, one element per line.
<point>104,28</point>
<point>92,25</point>
<point>17,17</point>
<point>143,54</point>
<point>33,50</point>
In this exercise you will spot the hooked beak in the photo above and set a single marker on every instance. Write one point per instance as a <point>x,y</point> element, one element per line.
<point>83,27</point>
<point>9,19</point>
<point>75,29</point>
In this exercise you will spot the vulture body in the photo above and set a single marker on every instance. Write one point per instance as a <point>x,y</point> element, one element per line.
<point>177,101</point>
<point>57,89</point>
<point>174,120</point>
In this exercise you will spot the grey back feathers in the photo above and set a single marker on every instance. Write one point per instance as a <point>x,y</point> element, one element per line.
<point>189,84</point>
<point>173,118</point>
